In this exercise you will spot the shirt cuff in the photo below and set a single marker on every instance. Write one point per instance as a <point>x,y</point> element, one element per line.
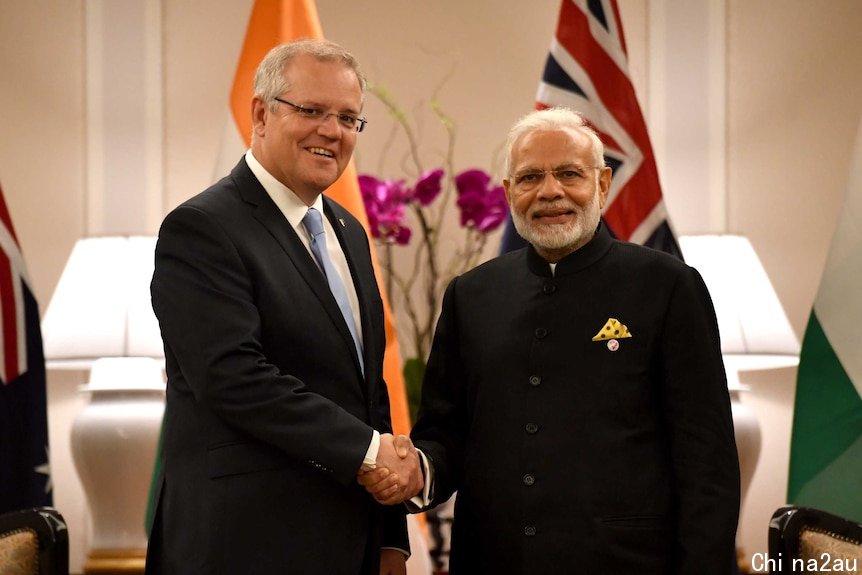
<point>422,499</point>
<point>403,551</point>
<point>370,460</point>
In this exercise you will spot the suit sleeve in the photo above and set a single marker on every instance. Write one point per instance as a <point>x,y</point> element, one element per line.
<point>441,426</point>
<point>700,427</point>
<point>205,300</point>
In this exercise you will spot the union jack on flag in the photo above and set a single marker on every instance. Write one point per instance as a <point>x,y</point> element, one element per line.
<point>587,71</point>
<point>24,473</point>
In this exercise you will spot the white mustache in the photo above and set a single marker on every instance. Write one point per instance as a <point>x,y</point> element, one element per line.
<point>555,209</point>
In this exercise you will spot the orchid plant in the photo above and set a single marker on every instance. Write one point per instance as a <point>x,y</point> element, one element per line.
<point>397,207</point>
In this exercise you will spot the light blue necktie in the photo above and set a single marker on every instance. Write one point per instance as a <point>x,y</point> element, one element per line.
<point>313,223</point>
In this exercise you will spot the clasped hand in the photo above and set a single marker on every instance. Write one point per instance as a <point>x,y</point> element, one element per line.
<point>398,474</point>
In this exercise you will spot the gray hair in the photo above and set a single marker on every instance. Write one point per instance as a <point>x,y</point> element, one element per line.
<point>269,80</point>
<point>556,118</point>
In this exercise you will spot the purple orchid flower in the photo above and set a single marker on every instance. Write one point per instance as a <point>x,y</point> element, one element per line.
<point>482,206</point>
<point>384,204</point>
<point>428,186</point>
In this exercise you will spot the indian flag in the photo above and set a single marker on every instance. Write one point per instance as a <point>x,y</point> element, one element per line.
<point>826,445</point>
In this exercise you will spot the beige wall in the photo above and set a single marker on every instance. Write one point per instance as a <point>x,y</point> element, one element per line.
<point>793,90</point>
<point>41,142</point>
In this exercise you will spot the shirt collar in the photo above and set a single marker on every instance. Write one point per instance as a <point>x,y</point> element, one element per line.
<point>288,202</point>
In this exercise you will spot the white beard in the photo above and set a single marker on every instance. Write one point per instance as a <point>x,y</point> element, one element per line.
<point>555,237</point>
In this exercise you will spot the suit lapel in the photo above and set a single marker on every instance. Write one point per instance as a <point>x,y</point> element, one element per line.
<point>268,214</point>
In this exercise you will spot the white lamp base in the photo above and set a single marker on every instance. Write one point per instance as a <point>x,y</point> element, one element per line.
<point>114,441</point>
<point>747,431</point>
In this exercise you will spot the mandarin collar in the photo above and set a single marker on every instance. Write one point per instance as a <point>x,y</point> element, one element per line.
<point>579,259</point>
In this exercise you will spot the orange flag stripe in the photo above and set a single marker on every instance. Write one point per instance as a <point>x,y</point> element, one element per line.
<point>273,22</point>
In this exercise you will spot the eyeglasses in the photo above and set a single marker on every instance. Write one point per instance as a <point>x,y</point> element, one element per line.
<point>568,176</point>
<point>347,121</point>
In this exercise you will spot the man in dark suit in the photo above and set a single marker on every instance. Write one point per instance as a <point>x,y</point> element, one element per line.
<point>575,395</point>
<point>275,397</point>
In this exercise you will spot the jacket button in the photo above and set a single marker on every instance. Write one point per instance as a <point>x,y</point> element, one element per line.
<point>529,479</point>
<point>535,380</point>
<point>549,288</point>
<point>541,333</point>
<point>531,428</point>
<point>529,530</point>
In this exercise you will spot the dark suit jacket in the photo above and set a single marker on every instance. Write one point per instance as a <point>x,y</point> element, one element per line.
<point>568,456</point>
<point>268,417</point>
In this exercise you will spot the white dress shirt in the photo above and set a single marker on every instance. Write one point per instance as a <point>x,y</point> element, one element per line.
<point>294,210</point>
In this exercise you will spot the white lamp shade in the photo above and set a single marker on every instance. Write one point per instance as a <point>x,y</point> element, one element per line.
<point>755,331</point>
<point>101,307</point>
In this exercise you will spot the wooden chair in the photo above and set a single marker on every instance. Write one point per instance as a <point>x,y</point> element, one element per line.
<point>34,542</point>
<point>809,540</point>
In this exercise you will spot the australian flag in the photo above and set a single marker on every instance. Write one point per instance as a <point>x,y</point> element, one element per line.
<point>587,71</point>
<point>25,479</point>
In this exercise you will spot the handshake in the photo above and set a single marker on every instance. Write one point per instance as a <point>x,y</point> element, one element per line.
<point>398,474</point>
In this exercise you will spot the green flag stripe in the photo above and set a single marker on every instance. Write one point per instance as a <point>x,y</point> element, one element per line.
<point>828,417</point>
<point>838,487</point>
